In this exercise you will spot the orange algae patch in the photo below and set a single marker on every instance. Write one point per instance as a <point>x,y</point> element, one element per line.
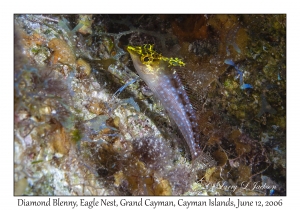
<point>163,187</point>
<point>206,127</point>
<point>221,157</point>
<point>191,28</point>
<point>242,39</point>
<point>240,147</point>
<point>31,41</point>
<point>244,172</point>
<point>34,39</point>
<point>209,174</point>
<point>83,67</point>
<point>62,52</point>
<point>141,181</point>
<point>60,141</point>
<point>229,32</point>
<point>96,107</point>
<point>116,122</point>
<point>215,138</point>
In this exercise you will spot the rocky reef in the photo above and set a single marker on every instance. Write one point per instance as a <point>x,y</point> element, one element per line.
<point>85,123</point>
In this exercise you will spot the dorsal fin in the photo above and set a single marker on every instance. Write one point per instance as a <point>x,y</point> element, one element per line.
<point>194,96</point>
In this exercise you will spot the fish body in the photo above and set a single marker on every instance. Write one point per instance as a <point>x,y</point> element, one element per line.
<point>167,87</point>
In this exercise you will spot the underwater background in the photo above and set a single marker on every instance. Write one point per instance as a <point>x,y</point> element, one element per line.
<point>86,122</point>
